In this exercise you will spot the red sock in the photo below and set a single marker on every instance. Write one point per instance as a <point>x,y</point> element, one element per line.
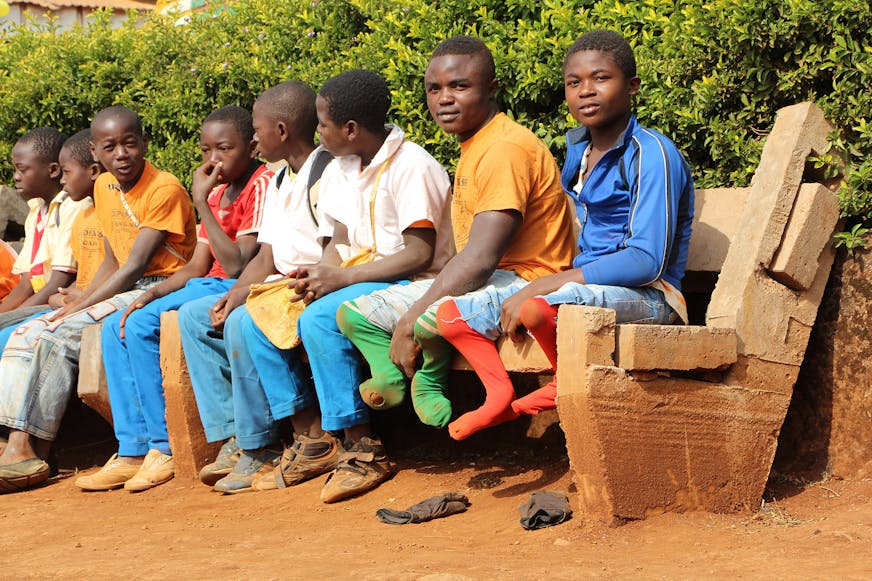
<point>537,401</point>
<point>540,319</point>
<point>482,354</point>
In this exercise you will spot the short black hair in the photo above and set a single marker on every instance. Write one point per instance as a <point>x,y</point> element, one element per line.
<point>122,113</point>
<point>79,146</point>
<point>606,41</point>
<point>294,103</point>
<point>468,45</point>
<point>238,117</point>
<point>358,95</point>
<point>46,142</point>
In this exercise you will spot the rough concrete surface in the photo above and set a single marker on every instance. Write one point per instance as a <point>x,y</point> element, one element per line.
<point>674,347</point>
<point>829,424</point>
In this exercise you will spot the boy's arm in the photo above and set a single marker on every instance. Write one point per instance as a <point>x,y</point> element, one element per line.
<point>232,256</point>
<point>18,294</point>
<point>260,267</point>
<point>489,238</point>
<point>148,241</point>
<point>198,266</point>
<point>58,279</point>
<point>417,254</point>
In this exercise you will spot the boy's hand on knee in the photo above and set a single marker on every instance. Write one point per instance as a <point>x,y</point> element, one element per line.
<point>510,316</point>
<point>140,302</point>
<point>404,351</point>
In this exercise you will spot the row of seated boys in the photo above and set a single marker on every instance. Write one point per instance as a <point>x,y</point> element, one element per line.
<point>389,260</point>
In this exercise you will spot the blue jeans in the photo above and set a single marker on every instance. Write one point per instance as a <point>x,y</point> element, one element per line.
<point>40,365</point>
<point>268,383</point>
<point>631,304</point>
<point>244,394</point>
<point>22,317</point>
<point>336,365</point>
<point>133,370</point>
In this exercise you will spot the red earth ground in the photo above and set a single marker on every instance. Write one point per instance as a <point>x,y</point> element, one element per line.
<point>182,530</point>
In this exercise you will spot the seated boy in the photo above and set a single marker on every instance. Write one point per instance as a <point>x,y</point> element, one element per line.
<point>79,171</point>
<point>228,191</point>
<point>46,261</point>
<point>383,197</point>
<point>149,232</point>
<point>634,193</point>
<point>512,223</point>
<point>284,127</point>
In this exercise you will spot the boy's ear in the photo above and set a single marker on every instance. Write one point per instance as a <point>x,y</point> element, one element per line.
<point>352,130</point>
<point>252,149</point>
<point>633,86</point>
<point>54,170</point>
<point>284,134</point>
<point>94,171</point>
<point>93,149</point>
<point>492,89</point>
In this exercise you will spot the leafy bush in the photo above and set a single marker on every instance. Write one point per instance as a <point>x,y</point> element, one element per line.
<point>714,71</point>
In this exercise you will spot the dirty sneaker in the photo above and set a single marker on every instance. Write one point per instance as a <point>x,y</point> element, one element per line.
<point>363,467</point>
<point>251,465</point>
<point>305,458</point>
<point>227,458</point>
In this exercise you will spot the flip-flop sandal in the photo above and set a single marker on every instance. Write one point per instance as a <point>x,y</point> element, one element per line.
<point>24,474</point>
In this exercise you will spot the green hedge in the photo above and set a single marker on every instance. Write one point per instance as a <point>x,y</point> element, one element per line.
<point>713,71</point>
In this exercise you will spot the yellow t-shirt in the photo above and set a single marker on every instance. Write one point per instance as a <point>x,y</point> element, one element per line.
<point>157,201</point>
<point>504,166</point>
<point>87,246</point>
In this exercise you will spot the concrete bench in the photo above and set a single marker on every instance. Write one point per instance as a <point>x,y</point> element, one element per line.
<point>661,418</point>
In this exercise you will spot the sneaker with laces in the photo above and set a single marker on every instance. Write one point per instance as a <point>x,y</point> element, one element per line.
<point>227,458</point>
<point>304,459</point>
<point>363,467</point>
<point>112,475</point>
<point>252,464</point>
<point>156,469</point>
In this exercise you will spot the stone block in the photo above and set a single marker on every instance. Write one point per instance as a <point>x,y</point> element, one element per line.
<point>190,449</point>
<point>638,449</point>
<point>715,220</point>
<point>13,208</point>
<point>92,388</point>
<point>523,357</point>
<point>799,131</point>
<point>585,336</point>
<point>809,228</point>
<point>674,347</point>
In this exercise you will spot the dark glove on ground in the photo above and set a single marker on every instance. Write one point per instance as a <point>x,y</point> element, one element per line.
<point>435,507</point>
<point>544,509</point>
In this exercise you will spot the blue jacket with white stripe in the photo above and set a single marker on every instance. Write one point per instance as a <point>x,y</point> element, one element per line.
<point>635,208</point>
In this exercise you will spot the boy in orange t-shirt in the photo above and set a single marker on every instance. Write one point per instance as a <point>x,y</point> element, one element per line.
<point>148,224</point>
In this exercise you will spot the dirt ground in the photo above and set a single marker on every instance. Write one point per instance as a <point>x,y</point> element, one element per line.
<point>182,530</point>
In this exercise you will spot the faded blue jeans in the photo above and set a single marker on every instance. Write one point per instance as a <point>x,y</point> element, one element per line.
<point>40,365</point>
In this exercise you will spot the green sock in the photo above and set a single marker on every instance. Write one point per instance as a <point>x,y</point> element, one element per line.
<point>428,385</point>
<point>387,387</point>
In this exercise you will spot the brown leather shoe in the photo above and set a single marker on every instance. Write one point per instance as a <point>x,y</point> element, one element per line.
<point>156,469</point>
<point>304,459</point>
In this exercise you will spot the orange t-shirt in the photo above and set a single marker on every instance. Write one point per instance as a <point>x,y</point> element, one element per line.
<point>157,201</point>
<point>87,242</point>
<point>504,166</point>
<point>8,279</point>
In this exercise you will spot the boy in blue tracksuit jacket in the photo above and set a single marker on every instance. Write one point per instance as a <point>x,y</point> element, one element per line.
<point>633,192</point>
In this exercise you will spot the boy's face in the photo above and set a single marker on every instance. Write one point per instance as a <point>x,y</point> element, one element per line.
<point>34,176</point>
<point>268,135</point>
<point>459,95</point>
<point>222,142</point>
<point>77,179</point>
<point>598,93</point>
<point>121,149</point>
<point>333,136</point>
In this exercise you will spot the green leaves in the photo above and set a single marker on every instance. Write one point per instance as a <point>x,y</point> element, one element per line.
<point>714,72</point>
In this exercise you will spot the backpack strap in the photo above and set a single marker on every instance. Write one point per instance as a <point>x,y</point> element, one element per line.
<point>319,164</point>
